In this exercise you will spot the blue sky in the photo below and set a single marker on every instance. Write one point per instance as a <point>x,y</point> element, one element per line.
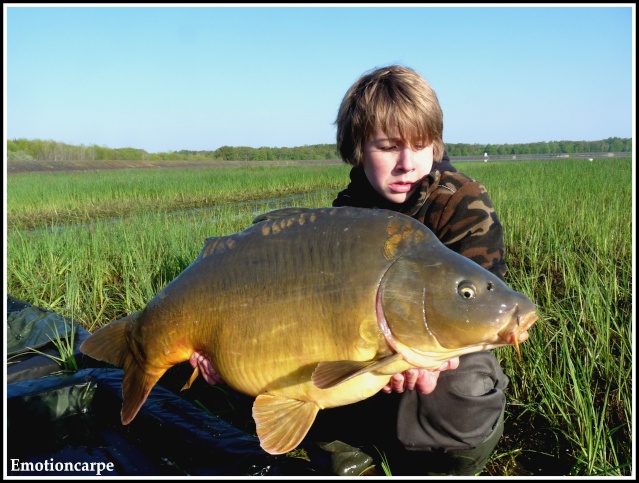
<point>168,77</point>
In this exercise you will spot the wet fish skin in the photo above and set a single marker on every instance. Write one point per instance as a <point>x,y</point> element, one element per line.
<point>312,309</point>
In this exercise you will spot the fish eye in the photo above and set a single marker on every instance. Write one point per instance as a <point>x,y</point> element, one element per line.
<point>490,286</point>
<point>466,290</point>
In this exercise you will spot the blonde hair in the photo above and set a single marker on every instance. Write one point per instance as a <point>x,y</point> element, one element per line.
<point>389,97</point>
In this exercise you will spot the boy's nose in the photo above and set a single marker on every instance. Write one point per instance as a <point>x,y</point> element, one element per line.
<point>405,161</point>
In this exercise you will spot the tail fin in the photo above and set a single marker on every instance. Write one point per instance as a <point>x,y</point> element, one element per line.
<point>111,344</point>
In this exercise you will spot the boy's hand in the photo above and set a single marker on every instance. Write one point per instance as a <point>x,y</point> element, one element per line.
<point>207,370</point>
<point>423,380</point>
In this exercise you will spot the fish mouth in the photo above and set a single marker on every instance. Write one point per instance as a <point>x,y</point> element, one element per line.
<point>516,330</point>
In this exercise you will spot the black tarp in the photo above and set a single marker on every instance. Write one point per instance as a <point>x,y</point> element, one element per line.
<point>31,331</point>
<point>76,418</point>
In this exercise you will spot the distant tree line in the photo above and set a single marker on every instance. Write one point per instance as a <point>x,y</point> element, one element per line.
<point>610,145</point>
<point>47,150</point>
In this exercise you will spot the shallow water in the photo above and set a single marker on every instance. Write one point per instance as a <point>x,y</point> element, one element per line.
<point>254,207</point>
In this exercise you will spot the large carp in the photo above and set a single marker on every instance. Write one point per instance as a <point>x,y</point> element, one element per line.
<point>312,309</point>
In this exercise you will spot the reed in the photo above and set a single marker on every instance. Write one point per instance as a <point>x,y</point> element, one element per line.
<point>569,239</point>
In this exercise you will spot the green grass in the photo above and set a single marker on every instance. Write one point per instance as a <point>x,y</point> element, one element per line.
<point>384,463</point>
<point>568,233</point>
<point>66,351</point>
<point>99,245</point>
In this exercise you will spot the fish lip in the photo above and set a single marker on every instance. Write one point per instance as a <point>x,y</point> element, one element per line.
<point>517,325</point>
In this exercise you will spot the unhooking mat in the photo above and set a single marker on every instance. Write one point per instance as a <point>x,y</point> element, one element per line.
<point>31,331</point>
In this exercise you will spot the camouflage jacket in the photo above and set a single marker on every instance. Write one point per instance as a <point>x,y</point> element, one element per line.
<point>455,207</point>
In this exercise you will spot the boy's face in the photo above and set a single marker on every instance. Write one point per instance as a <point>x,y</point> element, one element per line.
<point>395,169</point>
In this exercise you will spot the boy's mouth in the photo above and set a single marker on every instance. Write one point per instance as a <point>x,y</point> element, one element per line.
<point>401,187</point>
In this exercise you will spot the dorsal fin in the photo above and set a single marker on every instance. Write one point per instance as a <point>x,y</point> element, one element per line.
<point>219,244</point>
<point>282,212</point>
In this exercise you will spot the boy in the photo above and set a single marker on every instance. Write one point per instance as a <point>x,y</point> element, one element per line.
<point>389,127</point>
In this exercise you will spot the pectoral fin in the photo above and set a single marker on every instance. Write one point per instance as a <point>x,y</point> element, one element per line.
<point>281,422</point>
<point>329,374</point>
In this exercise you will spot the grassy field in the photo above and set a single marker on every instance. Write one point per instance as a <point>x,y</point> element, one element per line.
<point>98,245</point>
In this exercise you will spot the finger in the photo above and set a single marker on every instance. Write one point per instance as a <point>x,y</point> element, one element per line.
<point>448,365</point>
<point>427,381</point>
<point>397,382</point>
<point>209,373</point>
<point>410,378</point>
<point>193,360</point>
<point>207,369</point>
